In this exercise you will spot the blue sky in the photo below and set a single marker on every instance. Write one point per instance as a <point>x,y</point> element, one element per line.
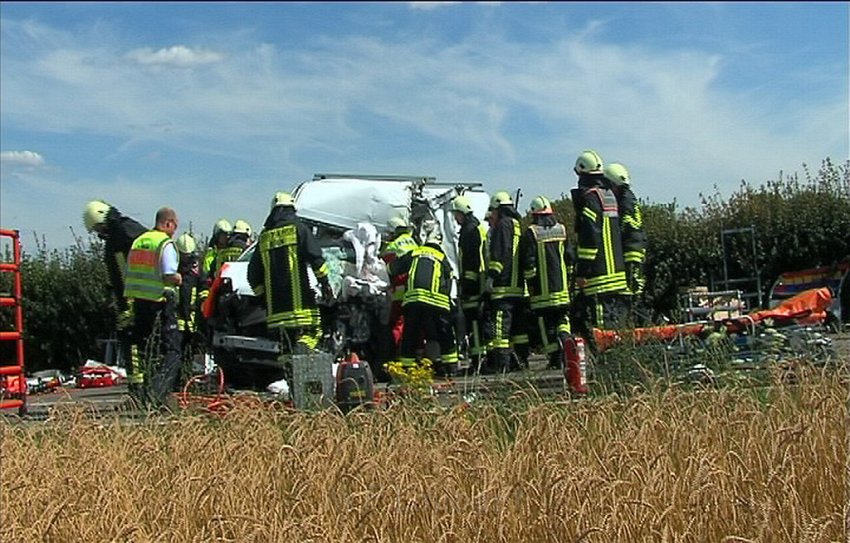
<point>211,108</point>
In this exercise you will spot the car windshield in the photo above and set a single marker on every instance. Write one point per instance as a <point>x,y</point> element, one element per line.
<point>246,255</point>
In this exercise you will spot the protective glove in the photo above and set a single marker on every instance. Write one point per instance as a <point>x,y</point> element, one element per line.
<point>635,278</point>
<point>125,319</point>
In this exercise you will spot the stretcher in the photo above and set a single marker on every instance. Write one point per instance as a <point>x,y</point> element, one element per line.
<point>806,308</point>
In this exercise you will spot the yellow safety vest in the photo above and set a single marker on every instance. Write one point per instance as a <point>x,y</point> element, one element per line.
<point>144,275</point>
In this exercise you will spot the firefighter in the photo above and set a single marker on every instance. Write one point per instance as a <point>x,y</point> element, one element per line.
<point>400,242</point>
<point>633,234</point>
<point>503,288</point>
<point>472,244</point>
<point>544,255</point>
<point>117,233</point>
<point>600,266</point>
<point>237,242</point>
<point>152,277</point>
<point>218,242</point>
<point>278,271</point>
<point>188,301</point>
<point>426,304</point>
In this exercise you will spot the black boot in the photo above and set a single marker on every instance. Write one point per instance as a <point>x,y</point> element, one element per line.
<point>556,361</point>
<point>445,370</point>
<point>487,364</point>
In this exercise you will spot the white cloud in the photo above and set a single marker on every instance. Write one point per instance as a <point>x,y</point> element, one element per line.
<point>481,108</point>
<point>29,159</point>
<point>178,56</point>
<point>430,6</point>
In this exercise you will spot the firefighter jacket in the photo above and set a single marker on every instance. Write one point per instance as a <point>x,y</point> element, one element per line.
<point>600,267</point>
<point>545,263</point>
<point>208,264</point>
<point>235,247</point>
<point>395,249</point>
<point>631,225</point>
<point>400,245</point>
<point>144,270</point>
<point>429,276</point>
<point>472,247</point>
<point>503,264</point>
<point>121,231</point>
<point>188,302</point>
<point>278,270</point>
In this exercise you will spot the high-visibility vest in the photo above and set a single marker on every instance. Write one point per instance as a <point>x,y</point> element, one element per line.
<point>209,261</point>
<point>144,274</point>
<point>395,249</point>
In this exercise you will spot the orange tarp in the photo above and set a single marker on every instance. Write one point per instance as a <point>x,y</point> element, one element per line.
<point>607,338</point>
<point>808,307</point>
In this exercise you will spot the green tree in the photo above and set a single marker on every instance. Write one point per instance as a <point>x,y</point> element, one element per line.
<point>66,303</point>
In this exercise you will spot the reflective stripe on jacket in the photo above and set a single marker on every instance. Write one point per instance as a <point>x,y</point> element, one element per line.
<point>472,255</point>
<point>631,225</point>
<point>503,265</point>
<point>600,251</point>
<point>429,276</point>
<point>144,273</point>
<point>545,264</point>
<point>188,303</point>
<point>395,249</point>
<point>122,232</point>
<point>208,264</point>
<point>278,270</point>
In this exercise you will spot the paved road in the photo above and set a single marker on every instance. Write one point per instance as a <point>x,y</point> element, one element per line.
<point>115,399</point>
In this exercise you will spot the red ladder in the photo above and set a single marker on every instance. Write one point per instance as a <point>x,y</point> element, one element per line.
<point>13,383</point>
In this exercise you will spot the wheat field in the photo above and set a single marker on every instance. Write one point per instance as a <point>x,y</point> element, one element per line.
<point>729,465</point>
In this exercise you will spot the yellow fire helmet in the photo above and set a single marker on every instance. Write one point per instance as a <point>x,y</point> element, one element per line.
<point>617,174</point>
<point>95,213</point>
<point>588,161</point>
<point>185,244</point>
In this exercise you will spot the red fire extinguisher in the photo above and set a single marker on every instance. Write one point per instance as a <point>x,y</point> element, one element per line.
<point>575,367</point>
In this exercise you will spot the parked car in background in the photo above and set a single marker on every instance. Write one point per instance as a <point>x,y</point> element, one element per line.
<point>48,381</point>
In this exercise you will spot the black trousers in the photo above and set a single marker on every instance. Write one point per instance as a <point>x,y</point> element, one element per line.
<point>424,322</point>
<point>475,332</point>
<point>549,330</point>
<point>502,326</point>
<point>158,343</point>
<point>607,311</point>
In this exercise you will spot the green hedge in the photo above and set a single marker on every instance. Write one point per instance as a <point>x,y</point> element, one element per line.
<point>799,222</point>
<point>66,302</point>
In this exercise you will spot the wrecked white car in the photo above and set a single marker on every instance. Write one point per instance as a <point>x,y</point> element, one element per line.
<point>348,214</point>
